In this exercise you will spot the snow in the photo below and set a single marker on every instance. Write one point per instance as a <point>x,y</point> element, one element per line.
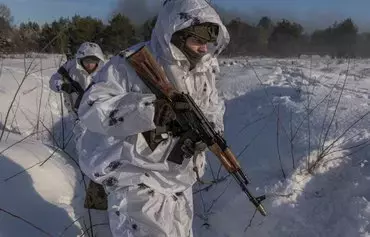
<point>39,182</point>
<point>278,115</point>
<point>267,100</point>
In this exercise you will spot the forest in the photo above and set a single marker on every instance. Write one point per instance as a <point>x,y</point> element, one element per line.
<point>283,38</point>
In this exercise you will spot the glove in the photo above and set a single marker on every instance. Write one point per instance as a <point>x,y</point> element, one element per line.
<point>69,87</point>
<point>191,148</point>
<point>164,114</point>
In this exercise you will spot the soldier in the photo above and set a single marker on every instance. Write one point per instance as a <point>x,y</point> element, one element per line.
<point>148,195</point>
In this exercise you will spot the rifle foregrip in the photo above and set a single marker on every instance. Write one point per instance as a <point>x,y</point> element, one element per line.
<point>227,158</point>
<point>232,158</point>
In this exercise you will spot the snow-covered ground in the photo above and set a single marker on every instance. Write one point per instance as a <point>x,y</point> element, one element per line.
<point>281,116</point>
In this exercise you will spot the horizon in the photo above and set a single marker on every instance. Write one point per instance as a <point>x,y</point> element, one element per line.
<point>311,15</point>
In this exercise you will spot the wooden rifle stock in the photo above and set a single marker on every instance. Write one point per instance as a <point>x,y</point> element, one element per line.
<point>150,71</point>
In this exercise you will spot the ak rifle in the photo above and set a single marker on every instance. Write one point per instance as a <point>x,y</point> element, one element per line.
<point>192,120</point>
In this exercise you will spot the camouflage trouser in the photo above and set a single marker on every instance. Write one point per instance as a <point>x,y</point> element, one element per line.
<point>96,198</point>
<point>141,211</point>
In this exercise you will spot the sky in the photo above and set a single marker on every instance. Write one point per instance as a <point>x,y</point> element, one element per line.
<point>315,13</point>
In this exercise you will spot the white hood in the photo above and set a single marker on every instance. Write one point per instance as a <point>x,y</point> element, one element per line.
<point>176,15</point>
<point>90,49</point>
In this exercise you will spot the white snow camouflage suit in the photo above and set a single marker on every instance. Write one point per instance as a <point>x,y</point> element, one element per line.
<point>77,73</point>
<point>147,195</point>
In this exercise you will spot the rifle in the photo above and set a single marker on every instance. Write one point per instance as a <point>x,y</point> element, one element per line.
<point>193,120</point>
<point>76,86</point>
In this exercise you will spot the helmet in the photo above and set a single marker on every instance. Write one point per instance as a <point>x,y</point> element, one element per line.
<point>206,32</point>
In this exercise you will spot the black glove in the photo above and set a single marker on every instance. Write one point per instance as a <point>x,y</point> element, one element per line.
<point>191,148</point>
<point>69,87</point>
<point>164,114</point>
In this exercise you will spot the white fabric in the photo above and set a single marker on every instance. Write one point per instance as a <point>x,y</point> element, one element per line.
<point>77,73</point>
<point>90,49</point>
<point>137,211</point>
<point>117,109</point>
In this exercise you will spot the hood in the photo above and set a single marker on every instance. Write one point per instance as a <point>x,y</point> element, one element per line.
<point>176,15</point>
<point>89,49</point>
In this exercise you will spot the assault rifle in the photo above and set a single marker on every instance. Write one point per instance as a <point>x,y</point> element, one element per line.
<point>193,120</point>
<point>75,85</point>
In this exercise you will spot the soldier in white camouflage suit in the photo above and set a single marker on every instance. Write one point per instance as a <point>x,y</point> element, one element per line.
<point>147,194</point>
<point>79,70</point>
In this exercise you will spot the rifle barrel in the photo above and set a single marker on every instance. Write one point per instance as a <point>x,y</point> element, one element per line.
<point>256,201</point>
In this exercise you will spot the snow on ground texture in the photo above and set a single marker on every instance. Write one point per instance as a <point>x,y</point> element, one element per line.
<point>278,112</point>
<point>38,182</point>
<point>267,107</point>
<point>42,196</point>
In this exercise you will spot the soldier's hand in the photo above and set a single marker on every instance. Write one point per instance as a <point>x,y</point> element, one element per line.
<point>68,87</point>
<point>191,148</point>
<point>164,113</point>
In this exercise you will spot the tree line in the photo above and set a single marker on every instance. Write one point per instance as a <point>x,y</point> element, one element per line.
<point>266,38</point>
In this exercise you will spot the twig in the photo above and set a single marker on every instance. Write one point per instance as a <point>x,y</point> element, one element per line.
<point>308,119</point>
<point>62,118</point>
<point>40,100</point>
<point>314,108</point>
<point>211,168</point>
<point>253,139</point>
<point>216,181</point>
<point>92,227</point>
<point>24,220</point>
<point>14,120</point>
<point>203,203</point>
<point>30,135</point>
<point>253,122</point>
<point>219,196</point>
<point>345,131</point>
<point>59,146</point>
<point>12,102</point>
<point>337,105</point>
<point>310,112</point>
<point>242,151</point>
<point>348,148</point>
<point>46,160</point>
<point>277,141</point>
<point>348,155</point>
<point>251,220</point>
<point>25,170</point>
<point>291,138</point>
<point>322,150</point>
<point>69,226</point>
<point>321,144</point>
<point>27,71</point>
<point>266,93</point>
<point>77,164</point>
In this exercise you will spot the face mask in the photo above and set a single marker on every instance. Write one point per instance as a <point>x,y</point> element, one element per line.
<point>192,56</point>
